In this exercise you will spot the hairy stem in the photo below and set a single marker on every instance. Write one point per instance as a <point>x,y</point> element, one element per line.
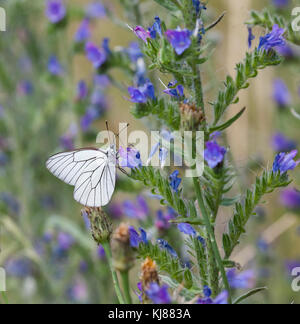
<point>126,286</point>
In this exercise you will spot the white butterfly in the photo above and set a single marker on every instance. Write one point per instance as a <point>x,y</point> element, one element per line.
<point>91,171</point>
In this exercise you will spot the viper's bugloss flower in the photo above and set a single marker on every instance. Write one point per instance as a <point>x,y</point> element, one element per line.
<point>281,143</point>
<point>136,210</point>
<point>251,37</point>
<point>101,81</point>
<point>158,295</point>
<point>221,299</point>
<point>285,162</point>
<point>243,280</point>
<point>187,229</point>
<point>25,88</point>
<point>134,51</point>
<point>166,246</point>
<point>141,33</point>
<point>101,252</point>
<point>201,240</point>
<point>272,40</point>
<point>214,154</point>
<point>286,51</point>
<point>262,245</point>
<point>136,238</point>
<point>95,54</point>
<point>65,241</point>
<point>198,5</point>
<point>130,158</point>
<point>290,198</point>
<point>19,267</point>
<point>78,292</point>
<point>93,112</point>
<point>281,94</point>
<point>179,39</point>
<point>55,11</point>
<point>155,28</point>
<point>95,10</point>
<point>162,221</point>
<point>54,66</point>
<point>175,90</point>
<point>105,46</point>
<point>83,32</point>
<point>280,4</point>
<point>175,181</point>
<point>142,94</point>
<point>82,90</point>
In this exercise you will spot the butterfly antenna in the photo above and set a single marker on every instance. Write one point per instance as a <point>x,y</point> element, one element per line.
<point>107,128</point>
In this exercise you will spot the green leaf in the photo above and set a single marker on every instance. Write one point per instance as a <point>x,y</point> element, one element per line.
<point>168,4</point>
<point>249,294</point>
<point>191,221</point>
<point>230,201</point>
<point>228,123</point>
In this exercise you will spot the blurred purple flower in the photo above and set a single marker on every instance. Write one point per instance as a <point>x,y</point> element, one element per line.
<point>221,299</point>
<point>286,51</point>
<point>55,10</point>
<point>158,295</point>
<point>54,66</point>
<point>164,245</point>
<point>134,51</point>
<point>281,143</point>
<point>78,292</point>
<point>187,229</point>
<point>290,265</point>
<point>290,198</point>
<point>101,252</point>
<point>115,210</point>
<point>129,158</point>
<point>214,154</point>
<point>19,267</point>
<point>95,10</point>
<point>83,33</point>
<point>65,241</point>
<point>285,162</point>
<point>25,88</point>
<point>243,280</point>
<point>175,181</point>
<point>281,94</point>
<point>274,39</point>
<point>135,238</point>
<point>162,221</point>
<point>262,245</point>
<point>141,33</point>
<point>179,39</point>
<point>82,90</point>
<point>96,55</point>
<point>101,81</point>
<point>251,37</point>
<point>67,140</point>
<point>105,46</point>
<point>136,210</point>
<point>198,5</point>
<point>280,4</point>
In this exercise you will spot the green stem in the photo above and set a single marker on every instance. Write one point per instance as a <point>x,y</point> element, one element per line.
<point>211,233</point>
<point>4,297</point>
<point>126,286</point>
<point>107,250</point>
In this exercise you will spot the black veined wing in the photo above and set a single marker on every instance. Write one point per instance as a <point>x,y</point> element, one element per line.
<point>91,171</point>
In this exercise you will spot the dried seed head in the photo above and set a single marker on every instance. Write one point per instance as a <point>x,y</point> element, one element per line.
<point>149,275</point>
<point>191,116</point>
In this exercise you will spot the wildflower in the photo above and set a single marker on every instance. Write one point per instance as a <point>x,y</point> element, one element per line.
<point>25,88</point>
<point>162,221</point>
<point>175,181</point>
<point>201,240</point>
<point>88,118</point>
<point>141,33</point>
<point>187,229</point>
<point>65,241</point>
<point>281,143</point>
<point>115,210</point>
<point>19,267</point>
<point>78,292</point>
<point>83,32</point>
<point>149,276</point>
<point>166,246</point>
<point>134,52</point>
<point>142,94</point>
<point>105,46</point>
<point>96,55</point>
<point>273,39</point>
<point>198,5</point>
<point>214,154</point>
<point>54,66</point>
<point>179,39</point>
<point>280,4</point>
<point>207,291</point>
<point>221,299</point>
<point>286,51</point>
<point>101,81</point>
<point>138,210</point>
<point>82,90</point>
<point>101,252</point>
<point>158,295</point>
<point>281,94</point>
<point>262,245</point>
<point>285,162</point>
<point>251,37</point>
<point>130,158</point>
<point>243,280</point>
<point>175,90</point>
<point>95,10</point>
<point>55,11</point>
<point>290,198</point>
<point>155,28</point>
<point>135,238</point>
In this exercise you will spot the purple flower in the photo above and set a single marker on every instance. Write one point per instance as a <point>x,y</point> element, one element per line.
<point>179,39</point>
<point>273,39</point>
<point>54,67</point>
<point>164,245</point>
<point>175,90</point>
<point>138,210</point>
<point>78,292</point>
<point>187,229</point>
<point>101,81</point>
<point>290,198</point>
<point>134,52</point>
<point>198,5</point>
<point>155,28</point>
<point>55,11</point>
<point>25,88</point>
<point>142,94</point>
<point>286,51</point>
<point>162,221</point>
<point>281,143</point>
<point>65,241</point>
<point>281,94</point>
<point>221,299</point>
<point>88,118</point>
<point>285,162</point>
<point>141,33</point>
<point>251,37</point>
<point>82,90</point>
<point>280,4</point>
<point>67,140</point>
<point>207,291</point>
<point>158,295</point>
<point>175,181</point>
<point>214,154</point>
<point>95,10</point>
<point>243,280</point>
<point>96,55</point>
<point>20,268</point>
<point>83,32</point>
<point>139,293</point>
<point>101,252</point>
<point>135,238</point>
<point>129,158</point>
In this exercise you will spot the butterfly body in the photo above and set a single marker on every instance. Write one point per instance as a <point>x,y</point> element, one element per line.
<point>91,171</point>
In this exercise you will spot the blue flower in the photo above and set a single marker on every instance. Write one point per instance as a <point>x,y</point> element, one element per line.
<point>162,221</point>
<point>207,291</point>
<point>95,10</point>
<point>166,246</point>
<point>243,280</point>
<point>96,55</point>
<point>20,268</point>
<point>82,90</point>
<point>135,238</point>
<point>175,181</point>
<point>221,299</point>
<point>280,4</point>
<point>134,52</point>
<point>158,295</point>
<point>179,39</point>
<point>65,241</point>
<point>83,32</point>
<point>105,46</point>
<point>55,11</point>
<point>141,33</point>
<point>290,198</point>
<point>143,93</point>
<point>175,90</point>
<point>54,67</point>
<point>198,5</point>
<point>201,240</point>
<point>251,37</point>
<point>281,143</point>
<point>187,229</point>
<point>136,210</point>
<point>214,154</point>
<point>273,39</point>
<point>129,158</point>
<point>25,87</point>
<point>281,94</point>
<point>285,162</point>
<point>155,28</point>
